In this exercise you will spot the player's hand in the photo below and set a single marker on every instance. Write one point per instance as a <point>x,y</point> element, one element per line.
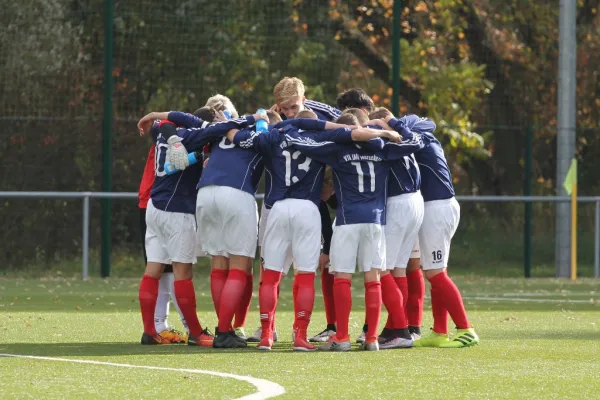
<point>145,123</point>
<point>275,108</point>
<point>205,162</point>
<point>261,116</point>
<point>220,116</point>
<point>323,262</point>
<point>176,153</point>
<point>393,136</point>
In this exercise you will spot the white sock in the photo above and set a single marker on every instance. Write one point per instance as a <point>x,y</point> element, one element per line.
<point>172,288</point>
<point>161,312</point>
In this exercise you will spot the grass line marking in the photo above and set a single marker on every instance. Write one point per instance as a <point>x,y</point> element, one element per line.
<point>266,389</point>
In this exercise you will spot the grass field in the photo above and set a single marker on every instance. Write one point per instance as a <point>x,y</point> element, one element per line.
<point>539,339</point>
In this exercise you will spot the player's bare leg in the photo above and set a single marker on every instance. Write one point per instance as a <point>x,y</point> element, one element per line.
<point>416,296</point>
<point>148,293</point>
<point>186,299</point>
<point>231,297</point>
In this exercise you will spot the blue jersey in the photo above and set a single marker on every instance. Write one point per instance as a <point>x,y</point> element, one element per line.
<point>177,192</point>
<point>405,176</point>
<point>360,174</point>
<point>289,173</point>
<point>436,177</point>
<point>234,166</point>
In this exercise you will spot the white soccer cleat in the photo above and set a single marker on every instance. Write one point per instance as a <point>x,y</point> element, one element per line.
<point>370,346</point>
<point>322,336</point>
<point>396,343</point>
<point>335,345</point>
<point>256,336</point>
<point>361,338</point>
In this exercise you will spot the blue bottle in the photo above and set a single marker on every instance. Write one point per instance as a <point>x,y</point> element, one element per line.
<point>261,125</point>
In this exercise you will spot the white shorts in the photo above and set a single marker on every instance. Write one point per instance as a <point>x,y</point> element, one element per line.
<point>262,223</point>
<point>293,232</point>
<point>439,224</point>
<point>227,221</point>
<point>170,236</point>
<point>404,217</point>
<point>361,245</point>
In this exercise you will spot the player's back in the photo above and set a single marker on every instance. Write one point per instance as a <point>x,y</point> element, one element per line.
<point>436,178</point>
<point>233,166</point>
<point>405,176</point>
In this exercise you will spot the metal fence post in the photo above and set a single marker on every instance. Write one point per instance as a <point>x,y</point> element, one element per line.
<point>597,242</point>
<point>86,236</point>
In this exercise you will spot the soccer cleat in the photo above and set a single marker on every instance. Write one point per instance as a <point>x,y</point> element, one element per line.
<point>396,343</point>
<point>240,332</point>
<point>174,336</point>
<point>361,338</point>
<point>335,344</point>
<point>415,332</point>
<point>462,338</point>
<point>205,339</point>
<point>151,340</point>
<point>385,335</point>
<point>257,336</point>
<point>265,344</point>
<point>370,345</point>
<point>433,339</point>
<point>300,341</point>
<point>228,340</point>
<point>322,336</point>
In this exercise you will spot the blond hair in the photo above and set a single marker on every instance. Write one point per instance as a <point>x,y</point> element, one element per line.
<point>222,103</point>
<point>360,115</point>
<point>287,88</point>
<point>347,119</point>
<point>380,113</point>
<point>328,177</point>
<point>273,117</point>
<point>307,114</point>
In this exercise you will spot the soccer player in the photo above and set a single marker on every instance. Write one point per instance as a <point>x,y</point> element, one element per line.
<point>227,225</point>
<point>360,179</point>
<point>440,221</point>
<point>290,100</point>
<point>170,234</point>
<point>293,228</point>
<point>404,186</point>
<point>165,286</point>
<point>355,98</point>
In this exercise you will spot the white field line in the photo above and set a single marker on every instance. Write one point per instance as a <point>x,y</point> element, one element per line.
<point>266,389</point>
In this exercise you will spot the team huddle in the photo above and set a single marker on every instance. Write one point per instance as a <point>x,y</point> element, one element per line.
<point>386,177</point>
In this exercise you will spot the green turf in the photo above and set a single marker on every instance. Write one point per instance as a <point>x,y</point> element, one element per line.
<point>546,347</point>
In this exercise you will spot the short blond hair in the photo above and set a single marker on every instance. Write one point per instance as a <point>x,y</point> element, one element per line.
<point>380,113</point>
<point>273,117</point>
<point>328,177</point>
<point>360,115</point>
<point>347,119</point>
<point>287,88</point>
<point>222,103</point>
<point>307,114</point>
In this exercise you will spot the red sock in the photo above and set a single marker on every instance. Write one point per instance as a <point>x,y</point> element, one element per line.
<point>373,307</point>
<point>267,300</point>
<point>304,299</point>
<point>273,329</point>
<point>328,299</point>
<point>218,277</point>
<point>242,311</point>
<point>392,299</point>
<point>343,304</point>
<point>147,296</point>
<point>439,311</point>
<point>294,293</point>
<point>452,299</point>
<point>186,299</point>
<point>231,297</point>
<point>402,284</point>
<point>416,294</point>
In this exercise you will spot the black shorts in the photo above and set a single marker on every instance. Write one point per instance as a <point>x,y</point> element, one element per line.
<point>169,267</point>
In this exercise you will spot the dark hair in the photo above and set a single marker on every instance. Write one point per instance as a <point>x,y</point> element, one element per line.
<point>354,98</point>
<point>205,114</point>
